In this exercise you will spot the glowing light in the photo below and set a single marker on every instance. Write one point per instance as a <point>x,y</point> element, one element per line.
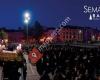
<point>42,40</point>
<point>80,31</point>
<point>26,21</point>
<point>93,37</point>
<point>19,47</point>
<point>27,17</point>
<point>6,40</point>
<point>26,14</point>
<point>49,38</point>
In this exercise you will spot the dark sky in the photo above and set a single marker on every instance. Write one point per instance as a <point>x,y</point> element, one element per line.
<point>48,12</point>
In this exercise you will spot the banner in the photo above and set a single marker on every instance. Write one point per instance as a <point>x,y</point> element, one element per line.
<point>35,55</point>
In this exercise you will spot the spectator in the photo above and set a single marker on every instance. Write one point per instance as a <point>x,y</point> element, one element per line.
<point>66,62</point>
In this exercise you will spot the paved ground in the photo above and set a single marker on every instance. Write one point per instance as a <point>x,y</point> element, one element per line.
<point>1,75</point>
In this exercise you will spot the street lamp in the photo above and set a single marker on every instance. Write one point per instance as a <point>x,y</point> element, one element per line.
<point>93,37</point>
<point>80,35</point>
<point>27,18</point>
<point>80,31</point>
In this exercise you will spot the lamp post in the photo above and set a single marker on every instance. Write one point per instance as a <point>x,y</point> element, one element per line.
<point>27,18</point>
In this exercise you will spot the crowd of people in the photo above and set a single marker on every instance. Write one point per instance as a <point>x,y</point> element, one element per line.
<point>10,71</point>
<point>13,70</point>
<point>68,62</point>
<point>59,62</point>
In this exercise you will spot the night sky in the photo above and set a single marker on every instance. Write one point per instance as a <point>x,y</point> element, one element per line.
<point>48,12</point>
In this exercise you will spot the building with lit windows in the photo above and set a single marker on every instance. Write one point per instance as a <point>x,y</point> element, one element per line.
<point>66,34</point>
<point>74,34</point>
